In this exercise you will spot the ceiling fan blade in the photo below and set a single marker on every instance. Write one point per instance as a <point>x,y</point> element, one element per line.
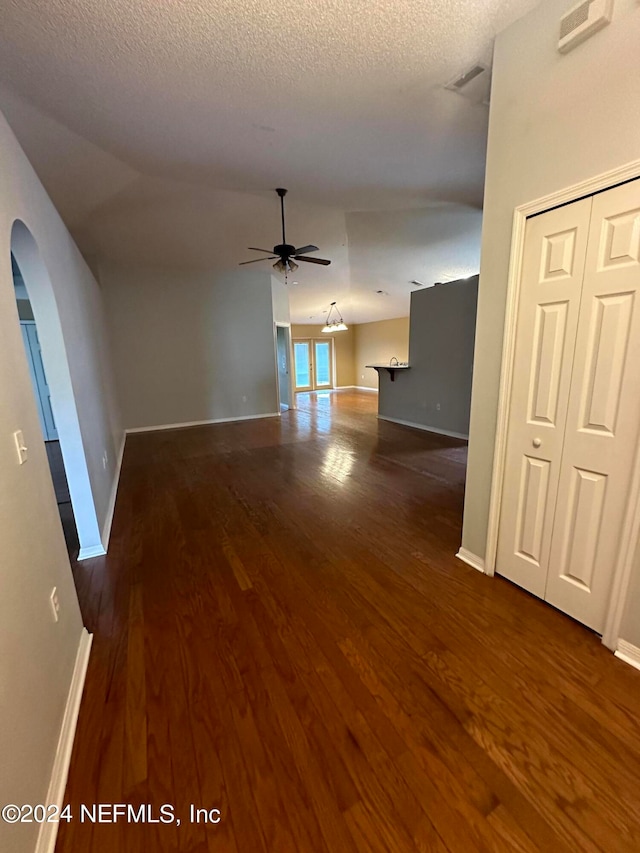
<point>322,261</point>
<point>253,249</point>
<point>305,250</point>
<point>257,260</point>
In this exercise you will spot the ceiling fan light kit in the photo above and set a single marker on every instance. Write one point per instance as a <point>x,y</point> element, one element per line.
<point>285,252</point>
<point>285,266</point>
<point>337,325</point>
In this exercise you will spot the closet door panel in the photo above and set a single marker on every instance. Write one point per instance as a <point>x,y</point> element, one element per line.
<point>603,415</point>
<point>547,317</point>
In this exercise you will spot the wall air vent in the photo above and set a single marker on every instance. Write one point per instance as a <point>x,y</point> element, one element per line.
<point>582,21</point>
<point>473,84</point>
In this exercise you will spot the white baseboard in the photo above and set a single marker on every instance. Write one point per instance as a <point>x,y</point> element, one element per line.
<point>437,430</point>
<point>628,653</point>
<point>471,559</point>
<point>58,782</point>
<point>106,527</point>
<point>91,551</point>
<point>160,427</point>
<point>344,388</point>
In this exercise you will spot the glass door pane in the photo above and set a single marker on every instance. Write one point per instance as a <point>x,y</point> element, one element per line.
<point>323,363</point>
<point>302,358</point>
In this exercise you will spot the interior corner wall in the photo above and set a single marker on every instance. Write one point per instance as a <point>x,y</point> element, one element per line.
<point>555,120</point>
<point>37,655</point>
<point>377,342</point>
<point>280,301</point>
<point>191,346</point>
<point>343,349</point>
<point>435,392</point>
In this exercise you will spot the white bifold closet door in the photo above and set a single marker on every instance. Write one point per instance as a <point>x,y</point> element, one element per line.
<point>575,403</point>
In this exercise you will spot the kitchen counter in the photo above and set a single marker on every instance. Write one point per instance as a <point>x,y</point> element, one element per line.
<point>392,368</point>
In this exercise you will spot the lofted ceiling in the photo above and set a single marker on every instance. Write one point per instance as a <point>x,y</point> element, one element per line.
<point>148,119</point>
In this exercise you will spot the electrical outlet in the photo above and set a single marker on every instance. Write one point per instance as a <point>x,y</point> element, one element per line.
<point>54,601</point>
<point>437,407</point>
<point>244,399</point>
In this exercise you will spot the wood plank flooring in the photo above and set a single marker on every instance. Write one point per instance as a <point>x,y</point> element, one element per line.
<point>282,632</point>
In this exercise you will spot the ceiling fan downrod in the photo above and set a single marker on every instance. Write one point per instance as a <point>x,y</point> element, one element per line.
<point>286,254</point>
<point>284,248</point>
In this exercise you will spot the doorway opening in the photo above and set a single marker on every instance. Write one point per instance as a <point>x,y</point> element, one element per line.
<point>46,355</point>
<point>42,395</point>
<point>283,355</point>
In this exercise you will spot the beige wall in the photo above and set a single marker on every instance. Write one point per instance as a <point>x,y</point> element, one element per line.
<point>555,120</point>
<point>379,342</point>
<point>362,343</point>
<point>37,655</point>
<point>343,349</point>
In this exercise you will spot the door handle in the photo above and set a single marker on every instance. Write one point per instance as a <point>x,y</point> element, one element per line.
<point>537,442</point>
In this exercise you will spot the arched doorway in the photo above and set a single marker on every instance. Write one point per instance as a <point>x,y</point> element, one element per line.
<point>26,259</point>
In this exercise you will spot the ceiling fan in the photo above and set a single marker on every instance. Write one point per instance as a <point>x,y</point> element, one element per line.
<point>286,254</point>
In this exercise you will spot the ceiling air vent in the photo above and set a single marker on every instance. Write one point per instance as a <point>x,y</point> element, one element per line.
<point>467,77</point>
<point>473,84</point>
<point>583,21</point>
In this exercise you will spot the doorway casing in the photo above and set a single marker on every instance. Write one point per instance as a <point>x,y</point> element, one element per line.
<point>289,344</point>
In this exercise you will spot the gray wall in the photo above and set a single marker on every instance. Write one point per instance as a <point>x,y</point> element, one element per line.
<point>37,655</point>
<point>191,346</point>
<point>630,628</point>
<point>555,120</point>
<point>25,311</point>
<point>280,299</point>
<point>441,338</point>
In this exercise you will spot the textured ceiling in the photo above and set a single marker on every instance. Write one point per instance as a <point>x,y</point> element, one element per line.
<point>140,115</point>
<point>389,249</point>
<point>338,99</point>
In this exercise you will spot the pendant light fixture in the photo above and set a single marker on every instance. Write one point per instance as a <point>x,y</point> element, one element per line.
<point>337,324</point>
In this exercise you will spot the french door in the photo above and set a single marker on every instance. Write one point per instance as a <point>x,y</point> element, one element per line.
<point>575,403</point>
<point>313,358</point>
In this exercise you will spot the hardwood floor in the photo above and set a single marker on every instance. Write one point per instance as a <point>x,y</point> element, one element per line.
<point>282,632</point>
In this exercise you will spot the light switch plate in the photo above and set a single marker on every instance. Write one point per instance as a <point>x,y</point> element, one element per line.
<point>54,601</point>
<point>21,448</point>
